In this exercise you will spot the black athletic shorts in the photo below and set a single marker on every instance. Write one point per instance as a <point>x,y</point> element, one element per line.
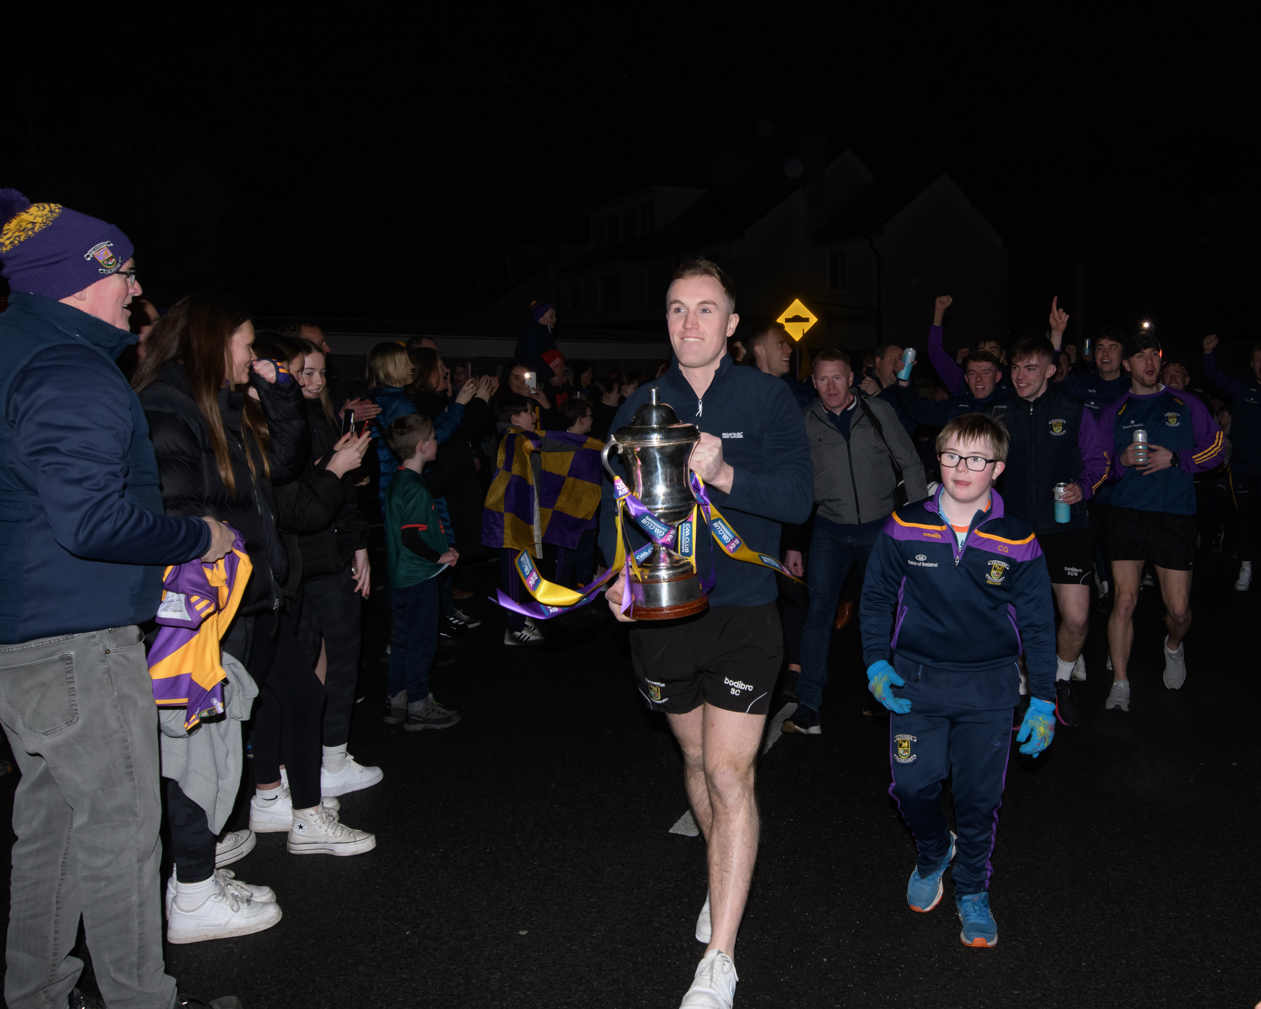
<point>1165,539</point>
<point>1068,556</point>
<point>728,657</point>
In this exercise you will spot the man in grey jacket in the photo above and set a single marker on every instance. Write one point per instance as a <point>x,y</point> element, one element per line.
<point>854,443</point>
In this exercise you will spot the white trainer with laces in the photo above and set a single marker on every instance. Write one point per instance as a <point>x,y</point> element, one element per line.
<point>352,777</point>
<point>714,986</point>
<point>1118,696</point>
<point>704,927</point>
<point>1245,576</point>
<point>271,816</point>
<point>317,832</point>
<point>227,878</point>
<point>230,910</point>
<point>1175,666</point>
<point>236,844</point>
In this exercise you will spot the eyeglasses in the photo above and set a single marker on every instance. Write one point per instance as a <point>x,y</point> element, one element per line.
<point>976,463</point>
<point>130,275</point>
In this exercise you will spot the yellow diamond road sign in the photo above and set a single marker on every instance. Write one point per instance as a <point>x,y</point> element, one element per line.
<point>797,319</point>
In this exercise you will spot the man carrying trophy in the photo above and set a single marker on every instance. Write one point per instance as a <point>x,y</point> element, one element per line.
<point>708,435</point>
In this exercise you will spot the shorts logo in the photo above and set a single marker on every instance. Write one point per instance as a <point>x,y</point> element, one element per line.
<point>654,690</point>
<point>997,572</point>
<point>101,253</point>
<point>736,685</point>
<point>1173,419</point>
<point>1073,572</point>
<point>1059,426</point>
<point>902,749</point>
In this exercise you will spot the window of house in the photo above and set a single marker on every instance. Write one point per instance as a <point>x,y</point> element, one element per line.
<point>836,270</point>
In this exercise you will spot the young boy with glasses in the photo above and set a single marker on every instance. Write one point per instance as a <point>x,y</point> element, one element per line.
<point>955,591</point>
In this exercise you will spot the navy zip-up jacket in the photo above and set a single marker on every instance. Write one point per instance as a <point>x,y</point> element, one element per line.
<point>1245,423</point>
<point>1054,439</point>
<point>940,412</point>
<point>1097,392</point>
<point>83,537</point>
<point>954,621</point>
<point>764,440</point>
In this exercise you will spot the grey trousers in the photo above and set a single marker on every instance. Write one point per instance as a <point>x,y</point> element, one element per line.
<point>79,712</point>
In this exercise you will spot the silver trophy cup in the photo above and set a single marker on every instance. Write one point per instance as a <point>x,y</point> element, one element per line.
<point>654,449</point>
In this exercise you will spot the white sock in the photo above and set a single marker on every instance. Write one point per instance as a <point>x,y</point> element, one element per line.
<point>1063,670</point>
<point>1170,650</point>
<point>1024,684</point>
<point>1245,566</point>
<point>334,758</point>
<point>191,896</point>
<point>267,794</point>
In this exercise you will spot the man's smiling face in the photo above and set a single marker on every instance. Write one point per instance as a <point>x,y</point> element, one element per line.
<point>700,320</point>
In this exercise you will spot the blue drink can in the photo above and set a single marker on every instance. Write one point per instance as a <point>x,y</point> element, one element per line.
<point>1063,510</point>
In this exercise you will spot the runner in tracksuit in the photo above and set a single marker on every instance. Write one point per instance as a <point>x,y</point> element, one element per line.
<point>956,590</point>
<point>1153,507</point>
<point>1245,461</point>
<point>1054,440</point>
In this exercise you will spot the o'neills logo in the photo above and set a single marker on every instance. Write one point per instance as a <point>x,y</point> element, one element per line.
<point>736,685</point>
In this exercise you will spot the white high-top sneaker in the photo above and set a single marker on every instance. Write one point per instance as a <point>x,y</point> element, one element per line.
<point>317,832</point>
<point>1245,576</point>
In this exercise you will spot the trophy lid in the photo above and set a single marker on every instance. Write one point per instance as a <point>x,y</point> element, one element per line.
<point>656,423</point>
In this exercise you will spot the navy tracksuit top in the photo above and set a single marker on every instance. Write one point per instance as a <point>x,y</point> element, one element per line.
<point>956,620</point>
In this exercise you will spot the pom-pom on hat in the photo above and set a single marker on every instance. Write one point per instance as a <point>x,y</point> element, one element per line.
<point>538,309</point>
<point>52,250</point>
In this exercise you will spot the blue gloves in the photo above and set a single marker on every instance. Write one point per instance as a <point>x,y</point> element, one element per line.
<point>880,677</point>
<point>1038,727</point>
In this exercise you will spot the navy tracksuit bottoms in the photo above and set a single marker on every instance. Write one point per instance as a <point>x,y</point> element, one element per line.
<point>930,742</point>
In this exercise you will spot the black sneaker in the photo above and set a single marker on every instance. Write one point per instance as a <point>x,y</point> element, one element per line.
<point>803,721</point>
<point>1067,708</point>
<point>451,631</point>
<point>468,621</point>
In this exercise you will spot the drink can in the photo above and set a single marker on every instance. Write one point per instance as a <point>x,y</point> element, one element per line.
<point>1087,346</point>
<point>1140,439</point>
<point>908,359</point>
<point>1063,510</point>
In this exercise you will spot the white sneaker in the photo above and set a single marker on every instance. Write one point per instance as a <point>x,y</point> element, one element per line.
<point>1079,667</point>
<point>704,927</point>
<point>528,635</point>
<point>275,815</point>
<point>227,878</point>
<point>1245,576</point>
<point>352,777</point>
<point>236,844</point>
<point>714,986</point>
<point>231,910</point>
<point>318,832</point>
<point>1175,666</point>
<point>1119,695</point>
<point>1109,662</point>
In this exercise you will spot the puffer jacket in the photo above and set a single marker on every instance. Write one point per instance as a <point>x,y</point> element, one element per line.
<point>191,484</point>
<point>331,549</point>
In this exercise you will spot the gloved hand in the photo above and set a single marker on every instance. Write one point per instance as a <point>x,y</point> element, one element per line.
<point>1038,727</point>
<point>880,677</point>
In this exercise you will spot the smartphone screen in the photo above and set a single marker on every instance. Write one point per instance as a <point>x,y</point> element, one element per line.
<point>531,381</point>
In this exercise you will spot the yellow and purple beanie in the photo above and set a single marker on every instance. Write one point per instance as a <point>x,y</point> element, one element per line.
<point>52,250</point>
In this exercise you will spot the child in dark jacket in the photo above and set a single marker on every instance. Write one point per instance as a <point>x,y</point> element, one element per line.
<point>955,590</point>
<point>416,552</point>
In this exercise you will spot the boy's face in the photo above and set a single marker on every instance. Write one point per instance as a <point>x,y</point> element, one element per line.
<point>964,485</point>
<point>981,377</point>
<point>1031,376</point>
<point>524,420</point>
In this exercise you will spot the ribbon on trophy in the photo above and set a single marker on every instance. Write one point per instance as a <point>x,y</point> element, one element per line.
<point>680,539</point>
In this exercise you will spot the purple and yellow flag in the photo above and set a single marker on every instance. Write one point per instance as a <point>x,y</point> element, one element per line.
<point>199,601</point>
<point>546,489</point>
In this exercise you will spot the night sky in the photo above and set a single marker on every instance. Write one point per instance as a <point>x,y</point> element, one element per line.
<point>369,168</point>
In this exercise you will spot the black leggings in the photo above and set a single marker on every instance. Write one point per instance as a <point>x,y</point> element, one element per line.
<point>331,613</point>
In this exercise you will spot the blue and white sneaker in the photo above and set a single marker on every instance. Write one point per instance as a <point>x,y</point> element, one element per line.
<point>923,893</point>
<point>979,927</point>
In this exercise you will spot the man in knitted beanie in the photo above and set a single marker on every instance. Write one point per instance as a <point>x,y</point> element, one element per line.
<point>83,543</point>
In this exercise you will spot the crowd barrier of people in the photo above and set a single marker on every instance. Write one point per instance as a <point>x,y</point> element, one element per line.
<point>1019,482</point>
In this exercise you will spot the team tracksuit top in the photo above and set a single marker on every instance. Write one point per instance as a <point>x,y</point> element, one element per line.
<point>1174,420</point>
<point>954,621</point>
<point>1245,424</point>
<point>1054,439</point>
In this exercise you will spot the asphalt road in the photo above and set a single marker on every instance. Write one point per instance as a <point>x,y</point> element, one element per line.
<point>525,856</point>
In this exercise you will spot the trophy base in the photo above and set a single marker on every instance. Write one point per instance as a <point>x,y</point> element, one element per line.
<point>668,599</point>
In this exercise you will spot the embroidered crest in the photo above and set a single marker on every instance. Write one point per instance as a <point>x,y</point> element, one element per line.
<point>654,691</point>
<point>102,254</point>
<point>1059,425</point>
<point>902,748</point>
<point>997,572</point>
<point>1173,419</point>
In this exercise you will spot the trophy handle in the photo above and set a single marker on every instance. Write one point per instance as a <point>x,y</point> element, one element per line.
<point>604,454</point>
